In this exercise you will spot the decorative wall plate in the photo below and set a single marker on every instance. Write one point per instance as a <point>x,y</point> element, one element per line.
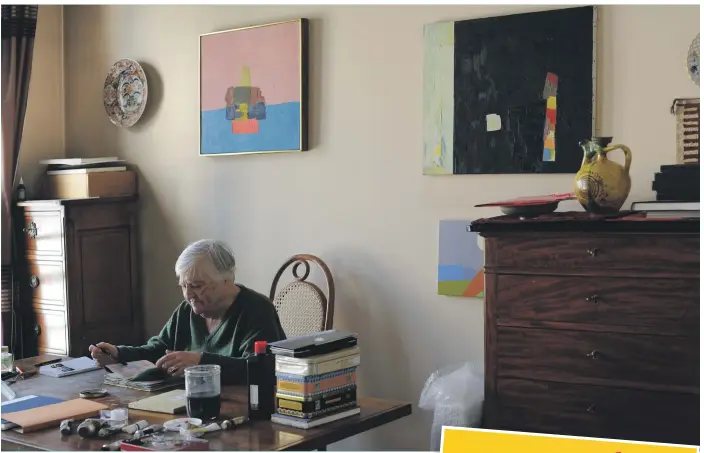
<point>125,93</point>
<point>693,60</point>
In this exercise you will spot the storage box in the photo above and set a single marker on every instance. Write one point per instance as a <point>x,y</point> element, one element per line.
<point>87,185</point>
<point>687,113</point>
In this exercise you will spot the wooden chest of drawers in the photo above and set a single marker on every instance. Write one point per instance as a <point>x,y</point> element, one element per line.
<point>78,274</point>
<point>592,327</point>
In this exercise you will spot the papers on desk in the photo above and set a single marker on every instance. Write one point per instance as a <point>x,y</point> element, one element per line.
<point>69,367</point>
<point>50,415</point>
<point>24,403</point>
<point>140,375</point>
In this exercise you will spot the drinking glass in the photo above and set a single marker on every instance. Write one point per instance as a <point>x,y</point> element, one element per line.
<point>203,391</point>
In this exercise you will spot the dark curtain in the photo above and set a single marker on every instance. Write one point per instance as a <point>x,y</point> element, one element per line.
<point>19,25</point>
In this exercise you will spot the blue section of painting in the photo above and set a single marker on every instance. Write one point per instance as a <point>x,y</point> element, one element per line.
<point>459,246</point>
<point>459,255</point>
<point>279,131</point>
<point>546,155</point>
<point>258,111</point>
<point>455,272</point>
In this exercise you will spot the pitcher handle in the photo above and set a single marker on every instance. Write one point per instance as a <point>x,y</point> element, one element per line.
<point>626,152</point>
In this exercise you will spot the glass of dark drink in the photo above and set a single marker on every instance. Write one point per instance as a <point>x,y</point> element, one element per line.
<point>203,391</point>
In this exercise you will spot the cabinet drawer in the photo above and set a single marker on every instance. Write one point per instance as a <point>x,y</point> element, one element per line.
<point>43,232</point>
<point>672,254</point>
<point>583,410</point>
<point>613,301</point>
<point>46,281</point>
<point>52,337</point>
<point>612,359</point>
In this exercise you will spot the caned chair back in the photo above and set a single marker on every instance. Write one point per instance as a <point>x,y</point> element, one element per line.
<point>302,306</point>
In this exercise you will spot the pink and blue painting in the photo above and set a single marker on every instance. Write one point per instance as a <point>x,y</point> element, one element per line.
<point>254,89</point>
<point>460,260</point>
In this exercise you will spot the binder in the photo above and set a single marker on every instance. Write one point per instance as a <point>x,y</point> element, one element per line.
<point>311,345</point>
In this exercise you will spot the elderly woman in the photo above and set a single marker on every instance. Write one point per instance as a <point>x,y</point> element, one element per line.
<point>218,322</point>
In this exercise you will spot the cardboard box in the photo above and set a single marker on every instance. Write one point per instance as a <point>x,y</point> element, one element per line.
<point>87,185</point>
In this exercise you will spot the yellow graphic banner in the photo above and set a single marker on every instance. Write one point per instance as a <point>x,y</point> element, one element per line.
<point>464,440</point>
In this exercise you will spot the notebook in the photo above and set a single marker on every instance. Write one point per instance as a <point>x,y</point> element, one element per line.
<point>140,370</point>
<point>310,345</point>
<point>24,403</point>
<point>173,402</point>
<point>49,416</point>
<point>140,375</point>
<point>69,367</point>
<point>145,386</point>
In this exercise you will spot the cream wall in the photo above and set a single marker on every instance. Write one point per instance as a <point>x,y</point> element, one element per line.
<point>358,199</point>
<point>43,135</point>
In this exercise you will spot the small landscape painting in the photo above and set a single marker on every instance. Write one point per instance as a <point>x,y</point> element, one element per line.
<point>460,260</point>
<point>254,89</point>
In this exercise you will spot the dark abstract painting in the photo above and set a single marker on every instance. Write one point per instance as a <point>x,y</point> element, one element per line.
<point>509,94</point>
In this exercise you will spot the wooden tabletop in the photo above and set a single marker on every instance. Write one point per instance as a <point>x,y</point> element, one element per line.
<point>254,436</point>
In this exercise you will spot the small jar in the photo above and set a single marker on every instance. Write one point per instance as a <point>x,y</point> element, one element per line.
<point>6,360</point>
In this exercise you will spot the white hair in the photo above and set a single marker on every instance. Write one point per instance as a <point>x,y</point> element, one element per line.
<point>218,254</point>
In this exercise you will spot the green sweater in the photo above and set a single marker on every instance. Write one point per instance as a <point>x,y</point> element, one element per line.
<point>250,318</point>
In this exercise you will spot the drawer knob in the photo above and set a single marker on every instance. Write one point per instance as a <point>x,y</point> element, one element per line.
<point>32,230</point>
<point>594,299</point>
<point>593,252</point>
<point>33,281</point>
<point>591,409</point>
<point>38,329</point>
<point>593,355</point>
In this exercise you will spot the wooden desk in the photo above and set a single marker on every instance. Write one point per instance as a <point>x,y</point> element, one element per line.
<point>255,436</point>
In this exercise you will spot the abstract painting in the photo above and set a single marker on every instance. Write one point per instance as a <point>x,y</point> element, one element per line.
<point>460,260</point>
<point>254,89</point>
<point>509,94</point>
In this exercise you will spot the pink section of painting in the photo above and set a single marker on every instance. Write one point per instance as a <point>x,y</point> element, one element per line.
<point>272,54</point>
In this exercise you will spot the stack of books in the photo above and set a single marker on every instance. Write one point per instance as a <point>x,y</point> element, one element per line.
<point>316,379</point>
<point>677,183</point>
<point>677,193</point>
<point>667,209</point>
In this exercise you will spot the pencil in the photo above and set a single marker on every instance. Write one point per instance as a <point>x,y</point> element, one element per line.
<point>121,362</point>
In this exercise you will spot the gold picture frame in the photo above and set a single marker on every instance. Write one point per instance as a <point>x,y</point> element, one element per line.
<point>267,110</point>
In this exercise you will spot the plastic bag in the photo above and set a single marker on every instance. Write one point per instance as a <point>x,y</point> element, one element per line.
<point>456,396</point>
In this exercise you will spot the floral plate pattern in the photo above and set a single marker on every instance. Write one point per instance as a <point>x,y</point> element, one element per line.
<point>125,93</point>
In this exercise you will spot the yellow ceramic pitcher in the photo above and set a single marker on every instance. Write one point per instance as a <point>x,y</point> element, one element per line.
<point>602,185</point>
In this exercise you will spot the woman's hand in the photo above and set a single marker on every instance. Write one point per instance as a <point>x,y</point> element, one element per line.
<point>174,362</point>
<point>99,356</point>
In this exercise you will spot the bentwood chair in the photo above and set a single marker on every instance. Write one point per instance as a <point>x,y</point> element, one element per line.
<point>303,307</point>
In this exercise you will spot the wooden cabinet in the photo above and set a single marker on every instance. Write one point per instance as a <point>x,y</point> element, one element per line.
<point>78,273</point>
<point>592,327</point>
